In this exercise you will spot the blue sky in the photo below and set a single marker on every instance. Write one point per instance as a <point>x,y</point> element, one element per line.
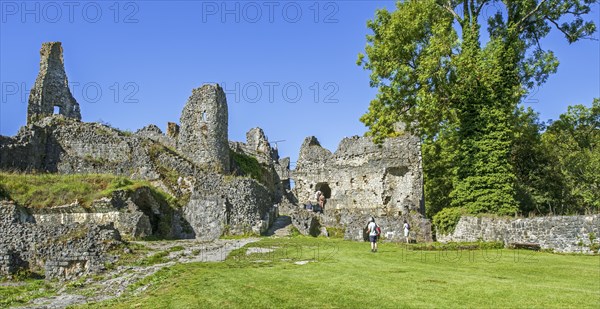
<point>287,67</point>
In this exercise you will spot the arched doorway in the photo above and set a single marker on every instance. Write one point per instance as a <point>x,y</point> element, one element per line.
<point>324,188</point>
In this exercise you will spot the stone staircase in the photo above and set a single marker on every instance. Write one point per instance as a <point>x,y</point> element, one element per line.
<point>281,227</point>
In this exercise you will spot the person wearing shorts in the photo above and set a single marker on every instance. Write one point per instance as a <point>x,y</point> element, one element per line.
<point>406,231</point>
<point>371,229</point>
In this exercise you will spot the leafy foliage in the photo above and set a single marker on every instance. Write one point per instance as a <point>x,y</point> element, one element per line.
<point>541,188</point>
<point>446,219</point>
<point>248,165</point>
<point>573,140</point>
<point>439,169</point>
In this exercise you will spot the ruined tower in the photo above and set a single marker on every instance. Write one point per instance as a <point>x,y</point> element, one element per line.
<point>51,87</point>
<point>203,134</point>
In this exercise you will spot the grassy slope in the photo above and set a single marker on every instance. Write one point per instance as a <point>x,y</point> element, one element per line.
<point>347,275</point>
<point>45,190</point>
<point>23,292</point>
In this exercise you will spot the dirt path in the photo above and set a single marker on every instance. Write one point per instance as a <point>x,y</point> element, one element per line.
<point>281,227</point>
<point>115,282</point>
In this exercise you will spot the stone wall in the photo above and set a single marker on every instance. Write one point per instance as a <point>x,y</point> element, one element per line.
<point>135,214</point>
<point>559,233</point>
<point>233,206</point>
<point>354,222</point>
<point>61,145</point>
<point>203,135</point>
<point>60,251</point>
<point>51,87</point>
<point>248,205</point>
<point>276,172</point>
<point>191,162</point>
<point>362,179</point>
<point>384,178</point>
<point>155,133</point>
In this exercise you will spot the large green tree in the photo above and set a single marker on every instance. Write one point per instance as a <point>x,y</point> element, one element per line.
<point>434,72</point>
<point>541,186</point>
<point>574,142</point>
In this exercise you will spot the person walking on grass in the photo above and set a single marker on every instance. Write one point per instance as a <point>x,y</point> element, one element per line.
<point>406,230</point>
<point>373,234</point>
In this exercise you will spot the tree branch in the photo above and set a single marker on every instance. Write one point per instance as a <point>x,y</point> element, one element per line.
<point>449,8</point>
<point>466,11</point>
<point>537,40</point>
<point>478,11</point>
<point>568,35</point>
<point>472,8</point>
<point>535,10</point>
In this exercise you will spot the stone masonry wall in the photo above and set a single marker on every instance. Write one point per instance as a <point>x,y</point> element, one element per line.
<point>362,179</point>
<point>190,162</point>
<point>384,178</point>
<point>559,233</point>
<point>51,87</point>
<point>135,214</point>
<point>58,144</point>
<point>203,135</point>
<point>60,251</point>
<point>155,133</point>
<point>354,222</point>
<point>276,171</point>
<point>220,205</point>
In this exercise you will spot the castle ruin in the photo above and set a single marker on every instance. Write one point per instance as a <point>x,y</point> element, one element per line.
<point>51,88</point>
<point>197,164</point>
<point>203,131</point>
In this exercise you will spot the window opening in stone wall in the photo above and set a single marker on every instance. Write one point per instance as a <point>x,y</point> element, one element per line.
<point>56,110</point>
<point>204,116</point>
<point>324,188</point>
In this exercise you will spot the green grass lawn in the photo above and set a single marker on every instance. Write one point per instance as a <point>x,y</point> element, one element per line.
<point>345,274</point>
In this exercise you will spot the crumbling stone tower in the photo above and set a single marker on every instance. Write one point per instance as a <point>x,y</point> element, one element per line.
<point>203,134</point>
<point>51,87</point>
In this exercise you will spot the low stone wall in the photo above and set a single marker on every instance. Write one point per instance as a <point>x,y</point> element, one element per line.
<point>59,251</point>
<point>354,221</point>
<point>135,214</point>
<point>559,233</point>
<point>135,224</point>
<point>154,133</point>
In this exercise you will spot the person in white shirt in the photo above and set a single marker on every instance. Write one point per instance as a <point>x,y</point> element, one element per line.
<point>372,230</point>
<point>406,230</point>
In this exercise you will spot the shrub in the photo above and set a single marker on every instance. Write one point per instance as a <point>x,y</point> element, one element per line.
<point>3,192</point>
<point>294,231</point>
<point>248,165</point>
<point>446,219</point>
<point>335,232</point>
